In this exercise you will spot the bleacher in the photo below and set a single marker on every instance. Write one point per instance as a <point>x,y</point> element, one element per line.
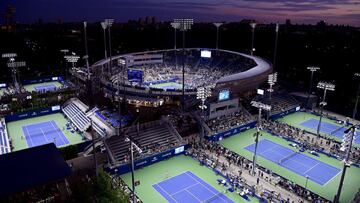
<point>77,116</point>
<point>153,137</point>
<point>4,138</point>
<point>280,102</point>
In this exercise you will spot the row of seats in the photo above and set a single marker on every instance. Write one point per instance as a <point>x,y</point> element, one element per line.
<point>151,139</point>
<point>4,139</point>
<point>77,116</point>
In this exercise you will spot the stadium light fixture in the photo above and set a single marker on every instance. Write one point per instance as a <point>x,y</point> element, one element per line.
<point>312,69</point>
<point>9,55</point>
<point>357,75</point>
<point>253,26</point>
<point>203,93</point>
<point>217,25</point>
<point>72,59</point>
<point>14,65</point>
<point>346,146</point>
<point>184,25</point>
<point>272,79</point>
<point>65,51</point>
<point>261,107</point>
<point>109,22</point>
<point>139,150</point>
<point>325,86</point>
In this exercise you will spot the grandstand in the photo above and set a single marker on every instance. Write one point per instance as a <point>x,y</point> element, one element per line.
<point>4,138</point>
<point>280,101</point>
<point>75,110</point>
<point>230,121</point>
<point>153,137</point>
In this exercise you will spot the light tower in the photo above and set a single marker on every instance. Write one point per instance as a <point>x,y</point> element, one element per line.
<point>217,34</point>
<point>261,107</point>
<point>346,146</point>
<point>312,69</point>
<point>184,25</point>
<point>104,26</point>
<point>357,75</point>
<point>109,22</point>
<point>65,51</point>
<point>175,25</point>
<point>272,79</point>
<point>203,93</point>
<point>139,150</point>
<point>276,44</point>
<point>253,25</point>
<point>86,57</point>
<point>325,86</point>
<point>14,65</point>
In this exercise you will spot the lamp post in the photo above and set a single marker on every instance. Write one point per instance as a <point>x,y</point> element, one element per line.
<point>253,25</point>
<point>325,86</point>
<point>203,93</point>
<point>86,57</point>
<point>184,25</point>
<point>312,69</point>
<point>307,179</point>
<point>346,146</point>
<point>109,22</point>
<point>217,34</point>
<point>261,107</point>
<point>276,43</point>
<point>272,79</point>
<point>104,26</point>
<point>65,51</point>
<point>357,75</point>
<point>139,150</point>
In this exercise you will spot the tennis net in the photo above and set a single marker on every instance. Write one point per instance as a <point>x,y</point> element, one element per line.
<point>287,157</point>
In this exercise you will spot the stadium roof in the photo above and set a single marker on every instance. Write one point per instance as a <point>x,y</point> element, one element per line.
<point>29,168</point>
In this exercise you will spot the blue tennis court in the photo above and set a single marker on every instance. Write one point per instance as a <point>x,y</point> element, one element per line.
<point>43,133</point>
<point>296,162</point>
<point>188,188</point>
<point>327,128</point>
<point>45,88</point>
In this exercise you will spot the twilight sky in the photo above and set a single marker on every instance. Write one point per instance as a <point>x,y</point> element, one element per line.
<point>299,11</point>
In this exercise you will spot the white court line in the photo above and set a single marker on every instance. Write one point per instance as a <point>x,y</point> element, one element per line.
<point>185,189</point>
<point>169,178</point>
<point>57,132</point>
<point>47,141</point>
<point>192,195</point>
<point>332,178</point>
<point>205,186</point>
<point>311,168</point>
<point>28,134</point>
<point>166,192</point>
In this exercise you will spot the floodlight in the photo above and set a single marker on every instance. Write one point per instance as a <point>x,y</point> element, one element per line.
<point>313,68</point>
<point>184,23</point>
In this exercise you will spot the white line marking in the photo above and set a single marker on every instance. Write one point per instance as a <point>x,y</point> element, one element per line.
<point>311,168</point>
<point>28,134</point>
<point>166,192</point>
<point>192,195</point>
<point>184,189</point>
<point>47,141</point>
<point>57,132</point>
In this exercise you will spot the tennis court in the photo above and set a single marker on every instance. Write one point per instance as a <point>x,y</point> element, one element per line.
<point>167,85</point>
<point>301,164</point>
<point>43,133</point>
<point>188,188</point>
<point>45,88</point>
<point>327,128</point>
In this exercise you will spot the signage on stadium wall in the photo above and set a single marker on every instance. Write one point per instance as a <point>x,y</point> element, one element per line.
<point>31,114</point>
<point>125,168</point>
<point>231,132</point>
<point>40,80</point>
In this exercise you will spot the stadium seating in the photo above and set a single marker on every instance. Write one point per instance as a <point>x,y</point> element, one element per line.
<point>230,121</point>
<point>152,137</point>
<point>4,138</point>
<point>280,102</point>
<point>77,116</point>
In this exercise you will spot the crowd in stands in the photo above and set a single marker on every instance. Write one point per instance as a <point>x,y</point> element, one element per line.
<point>11,90</point>
<point>230,121</point>
<point>198,71</point>
<point>213,154</point>
<point>280,101</point>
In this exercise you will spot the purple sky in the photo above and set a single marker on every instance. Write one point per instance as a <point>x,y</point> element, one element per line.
<point>299,11</point>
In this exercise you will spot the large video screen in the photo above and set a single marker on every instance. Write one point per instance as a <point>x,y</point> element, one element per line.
<point>224,95</point>
<point>135,75</point>
<point>206,54</point>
